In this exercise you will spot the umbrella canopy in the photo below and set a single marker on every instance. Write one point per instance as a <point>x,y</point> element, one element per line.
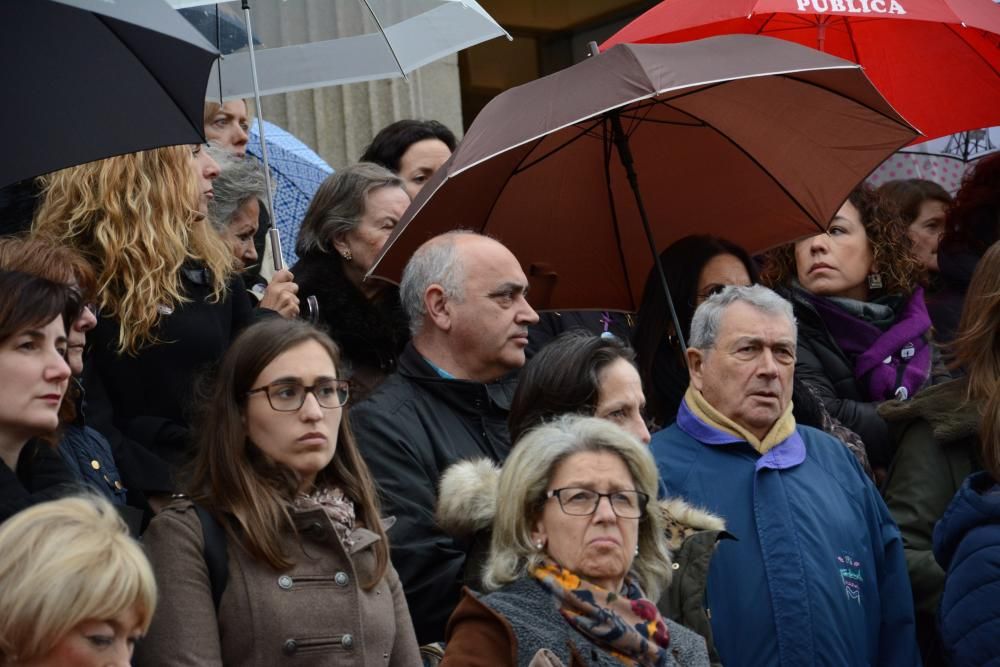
<point>296,174</point>
<point>936,61</point>
<point>348,42</point>
<point>943,160</point>
<point>87,79</point>
<point>754,139</point>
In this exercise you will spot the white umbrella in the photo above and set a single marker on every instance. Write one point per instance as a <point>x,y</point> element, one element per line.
<point>381,39</point>
<point>944,161</point>
<point>348,41</point>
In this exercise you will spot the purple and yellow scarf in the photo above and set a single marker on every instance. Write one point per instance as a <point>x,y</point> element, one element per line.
<point>626,624</point>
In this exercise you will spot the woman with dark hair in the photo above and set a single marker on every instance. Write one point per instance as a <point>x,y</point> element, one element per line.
<point>696,267</point>
<point>864,332</point>
<point>309,575</point>
<point>972,226</point>
<point>86,452</point>
<point>349,220</point>
<point>412,149</point>
<point>584,374</point>
<point>34,316</point>
<point>939,445</point>
<point>923,205</point>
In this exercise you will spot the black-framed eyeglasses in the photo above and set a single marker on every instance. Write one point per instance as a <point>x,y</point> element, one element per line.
<point>583,502</point>
<point>290,396</point>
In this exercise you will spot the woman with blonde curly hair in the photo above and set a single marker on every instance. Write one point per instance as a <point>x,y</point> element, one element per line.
<point>75,589</point>
<point>168,296</point>
<point>864,331</point>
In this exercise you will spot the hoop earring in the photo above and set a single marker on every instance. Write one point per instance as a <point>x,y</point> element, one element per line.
<point>874,280</point>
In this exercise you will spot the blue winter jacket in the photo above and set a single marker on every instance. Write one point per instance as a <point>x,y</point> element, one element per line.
<point>967,546</point>
<point>816,575</point>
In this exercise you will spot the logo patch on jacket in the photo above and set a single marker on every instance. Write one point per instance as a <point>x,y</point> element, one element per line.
<point>850,576</point>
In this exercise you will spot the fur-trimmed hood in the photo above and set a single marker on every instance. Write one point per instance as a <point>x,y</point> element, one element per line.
<point>467,503</point>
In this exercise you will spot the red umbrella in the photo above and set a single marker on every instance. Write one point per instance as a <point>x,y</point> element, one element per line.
<point>936,61</point>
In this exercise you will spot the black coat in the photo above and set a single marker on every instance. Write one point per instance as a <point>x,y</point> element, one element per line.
<point>371,334</point>
<point>410,431</point>
<point>40,475</point>
<point>141,403</point>
<point>821,364</point>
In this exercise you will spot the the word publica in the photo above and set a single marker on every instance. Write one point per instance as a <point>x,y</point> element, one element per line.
<point>851,6</point>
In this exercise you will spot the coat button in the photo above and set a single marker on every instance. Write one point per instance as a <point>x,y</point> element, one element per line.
<point>290,647</point>
<point>676,566</point>
<point>341,578</point>
<point>347,641</point>
<point>95,464</point>
<point>285,582</point>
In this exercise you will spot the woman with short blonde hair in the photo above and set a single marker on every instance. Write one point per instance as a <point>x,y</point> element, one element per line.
<point>577,557</point>
<point>72,582</point>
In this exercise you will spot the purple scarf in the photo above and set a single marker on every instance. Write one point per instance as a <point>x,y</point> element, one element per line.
<point>894,363</point>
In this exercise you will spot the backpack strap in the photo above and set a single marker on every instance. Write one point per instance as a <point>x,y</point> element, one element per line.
<point>216,552</point>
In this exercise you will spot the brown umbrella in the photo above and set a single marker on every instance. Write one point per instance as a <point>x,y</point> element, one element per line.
<point>751,138</point>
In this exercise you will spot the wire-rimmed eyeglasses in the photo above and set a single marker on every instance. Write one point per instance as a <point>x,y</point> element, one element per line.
<point>583,502</point>
<point>290,396</point>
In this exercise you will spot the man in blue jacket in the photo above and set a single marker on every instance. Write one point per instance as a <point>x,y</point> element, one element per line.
<point>817,574</point>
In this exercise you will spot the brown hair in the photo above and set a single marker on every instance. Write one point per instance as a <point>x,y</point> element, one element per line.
<point>59,264</point>
<point>910,193</point>
<point>976,349</point>
<point>885,229</point>
<point>231,476</point>
<point>41,257</point>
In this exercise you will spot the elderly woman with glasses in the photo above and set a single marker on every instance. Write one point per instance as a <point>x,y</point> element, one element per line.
<point>304,573</point>
<point>578,553</point>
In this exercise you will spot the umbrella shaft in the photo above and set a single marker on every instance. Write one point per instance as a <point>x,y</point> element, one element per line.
<point>260,126</point>
<point>625,155</point>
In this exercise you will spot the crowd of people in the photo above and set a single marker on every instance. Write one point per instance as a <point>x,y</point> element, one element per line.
<point>198,469</point>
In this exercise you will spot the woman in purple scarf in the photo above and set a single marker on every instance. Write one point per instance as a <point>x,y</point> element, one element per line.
<point>864,331</point>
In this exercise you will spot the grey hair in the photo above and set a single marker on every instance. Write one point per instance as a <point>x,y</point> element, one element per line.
<point>239,181</point>
<point>339,203</point>
<point>436,262</point>
<point>521,498</point>
<point>706,320</point>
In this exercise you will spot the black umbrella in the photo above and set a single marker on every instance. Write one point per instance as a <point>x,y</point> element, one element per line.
<point>87,79</point>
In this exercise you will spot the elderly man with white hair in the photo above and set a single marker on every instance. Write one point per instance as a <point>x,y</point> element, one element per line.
<point>817,573</point>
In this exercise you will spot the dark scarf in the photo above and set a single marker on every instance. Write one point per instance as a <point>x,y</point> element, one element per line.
<point>370,333</point>
<point>888,340</point>
<point>626,624</point>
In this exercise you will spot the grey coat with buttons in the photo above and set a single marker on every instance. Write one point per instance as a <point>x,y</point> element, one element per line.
<point>316,613</point>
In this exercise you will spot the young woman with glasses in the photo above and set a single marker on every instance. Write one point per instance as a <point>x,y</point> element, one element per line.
<point>309,576</point>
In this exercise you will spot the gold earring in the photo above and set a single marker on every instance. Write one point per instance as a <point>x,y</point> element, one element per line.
<point>348,256</point>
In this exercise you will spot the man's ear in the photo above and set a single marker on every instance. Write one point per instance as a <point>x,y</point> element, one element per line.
<point>437,306</point>
<point>696,366</point>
